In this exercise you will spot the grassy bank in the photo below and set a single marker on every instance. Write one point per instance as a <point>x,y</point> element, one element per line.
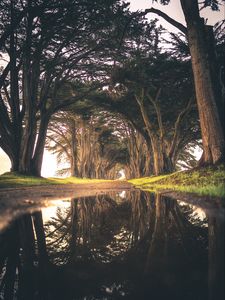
<point>9,180</point>
<point>204,181</point>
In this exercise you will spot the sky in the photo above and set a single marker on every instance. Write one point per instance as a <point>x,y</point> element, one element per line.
<point>49,166</point>
<point>173,10</point>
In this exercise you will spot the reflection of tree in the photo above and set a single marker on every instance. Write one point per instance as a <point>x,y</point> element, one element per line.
<point>216,257</point>
<point>158,246</point>
<point>9,261</point>
<point>140,233</point>
<point>140,217</point>
<point>88,223</point>
<point>175,227</point>
<point>172,250</point>
<point>23,258</point>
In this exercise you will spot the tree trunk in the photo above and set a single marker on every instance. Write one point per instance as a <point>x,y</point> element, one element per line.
<point>211,127</point>
<point>74,166</point>
<point>40,235</point>
<point>162,163</point>
<point>36,162</point>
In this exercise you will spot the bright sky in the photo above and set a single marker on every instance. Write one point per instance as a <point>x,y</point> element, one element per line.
<point>173,10</point>
<point>49,166</point>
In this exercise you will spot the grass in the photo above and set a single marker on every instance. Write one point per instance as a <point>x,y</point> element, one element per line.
<point>205,181</point>
<point>9,180</point>
<point>208,181</point>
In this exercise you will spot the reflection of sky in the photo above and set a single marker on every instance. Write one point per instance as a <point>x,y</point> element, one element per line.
<point>49,212</point>
<point>122,194</point>
<point>197,212</point>
<point>122,174</point>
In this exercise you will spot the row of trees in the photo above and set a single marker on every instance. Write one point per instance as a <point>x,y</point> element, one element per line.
<point>88,144</point>
<point>60,57</point>
<point>48,43</point>
<point>151,113</point>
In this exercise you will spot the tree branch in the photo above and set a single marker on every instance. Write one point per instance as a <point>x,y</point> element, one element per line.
<point>173,22</point>
<point>158,112</point>
<point>178,122</point>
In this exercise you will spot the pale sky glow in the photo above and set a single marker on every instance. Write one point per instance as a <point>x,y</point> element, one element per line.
<point>50,212</point>
<point>173,10</point>
<point>4,162</point>
<point>49,166</point>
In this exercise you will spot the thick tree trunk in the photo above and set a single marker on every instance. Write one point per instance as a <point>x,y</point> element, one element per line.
<point>211,127</point>
<point>36,162</point>
<point>74,166</point>
<point>28,142</point>
<point>13,154</point>
<point>162,163</point>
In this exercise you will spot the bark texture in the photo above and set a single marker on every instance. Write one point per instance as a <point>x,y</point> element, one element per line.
<point>211,127</point>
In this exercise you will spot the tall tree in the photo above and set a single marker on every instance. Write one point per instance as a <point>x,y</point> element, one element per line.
<point>201,45</point>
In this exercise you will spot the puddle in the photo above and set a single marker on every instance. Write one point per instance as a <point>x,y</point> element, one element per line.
<point>127,245</point>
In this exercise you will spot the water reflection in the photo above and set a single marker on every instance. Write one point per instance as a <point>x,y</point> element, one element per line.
<point>132,246</point>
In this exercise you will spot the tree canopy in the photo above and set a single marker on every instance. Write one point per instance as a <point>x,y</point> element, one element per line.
<point>96,76</point>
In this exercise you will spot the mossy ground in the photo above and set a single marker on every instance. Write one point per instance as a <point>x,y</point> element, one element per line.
<point>9,180</point>
<point>203,181</point>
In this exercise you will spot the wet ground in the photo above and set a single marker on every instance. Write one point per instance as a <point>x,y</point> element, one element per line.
<point>17,201</point>
<point>110,243</point>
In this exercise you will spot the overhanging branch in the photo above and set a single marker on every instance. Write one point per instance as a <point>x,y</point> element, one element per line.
<point>173,22</point>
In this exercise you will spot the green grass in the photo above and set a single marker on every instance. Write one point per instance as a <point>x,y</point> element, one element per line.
<point>9,180</point>
<point>204,181</point>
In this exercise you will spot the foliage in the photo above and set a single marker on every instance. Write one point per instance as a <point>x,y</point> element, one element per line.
<point>213,4</point>
<point>161,92</point>
<point>49,43</point>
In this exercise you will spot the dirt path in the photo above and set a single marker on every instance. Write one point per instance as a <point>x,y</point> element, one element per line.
<point>20,200</point>
<point>62,189</point>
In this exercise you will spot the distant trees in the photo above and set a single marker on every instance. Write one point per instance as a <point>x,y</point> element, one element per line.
<point>139,163</point>
<point>90,144</point>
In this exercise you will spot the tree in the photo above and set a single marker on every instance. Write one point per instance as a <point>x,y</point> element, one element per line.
<point>90,143</point>
<point>162,88</point>
<point>139,163</point>
<point>201,45</point>
<point>47,43</point>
